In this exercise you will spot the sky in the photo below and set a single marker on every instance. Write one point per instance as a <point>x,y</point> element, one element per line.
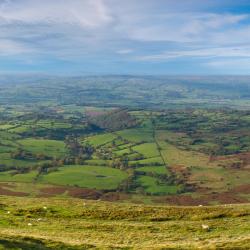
<point>74,37</point>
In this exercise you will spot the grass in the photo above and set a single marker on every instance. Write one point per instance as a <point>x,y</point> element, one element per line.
<point>158,140</point>
<point>50,124</point>
<point>8,136</point>
<point>175,156</point>
<point>97,162</point>
<point>136,135</point>
<point>6,160</point>
<point>20,129</point>
<point>102,139</point>
<point>219,178</point>
<point>151,186</point>
<point>44,146</point>
<point>86,176</point>
<point>124,151</point>
<point>154,169</point>
<point>157,160</point>
<point>78,224</point>
<point>5,149</point>
<point>8,176</point>
<point>147,149</point>
<point>6,126</point>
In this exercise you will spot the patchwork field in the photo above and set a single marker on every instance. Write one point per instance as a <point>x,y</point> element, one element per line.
<point>124,162</point>
<point>165,157</point>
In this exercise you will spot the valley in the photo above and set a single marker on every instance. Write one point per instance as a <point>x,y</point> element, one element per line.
<point>185,157</point>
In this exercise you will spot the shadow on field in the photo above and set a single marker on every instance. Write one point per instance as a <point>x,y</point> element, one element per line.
<point>36,244</point>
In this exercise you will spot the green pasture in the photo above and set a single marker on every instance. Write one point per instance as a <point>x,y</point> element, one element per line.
<point>149,150</point>
<point>86,176</point>
<point>44,146</point>
<point>136,135</point>
<point>154,169</point>
<point>154,160</point>
<point>50,124</point>
<point>5,159</point>
<point>153,186</point>
<point>6,126</point>
<point>20,129</point>
<point>10,176</point>
<point>98,140</point>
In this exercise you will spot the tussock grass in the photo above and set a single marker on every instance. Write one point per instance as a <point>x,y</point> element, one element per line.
<point>81,224</point>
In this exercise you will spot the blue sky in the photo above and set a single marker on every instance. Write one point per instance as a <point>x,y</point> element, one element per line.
<point>125,37</point>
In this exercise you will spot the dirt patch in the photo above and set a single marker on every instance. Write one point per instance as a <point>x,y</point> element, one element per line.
<point>179,169</point>
<point>85,193</point>
<point>180,200</point>
<point>4,191</point>
<point>76,192</point>
<point>7,185</point>
<point>53,190</point>
<point>224,198</point>
<point>114,196</point>
<point>44,195</point>
<point>241,160</point>
<point>244,189</point>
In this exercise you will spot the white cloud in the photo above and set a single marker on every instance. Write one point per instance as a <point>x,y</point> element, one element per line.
<point>226,52</point>
<point>68,29</point>
<point>182,27</point>
<point>124,51</point>
<point>86,13</point>
<point>9,47</point>
<point>233,66</point>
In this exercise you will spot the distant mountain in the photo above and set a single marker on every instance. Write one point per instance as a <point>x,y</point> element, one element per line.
<point>129,91</point>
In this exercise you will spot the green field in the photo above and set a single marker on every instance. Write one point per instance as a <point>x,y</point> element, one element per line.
<point>86,176</point>
<point>149,150</point>
<point>152,186</point>
<point>99,140</point>
<point>154,169</point>
<point>10,176</point>
<point>43,146</point>
<point>7,161</point>
<point>136,135</point>
<point>149,161</point>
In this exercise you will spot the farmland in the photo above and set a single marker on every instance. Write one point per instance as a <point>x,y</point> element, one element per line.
<point>146,172</point>
<point>186,157</point>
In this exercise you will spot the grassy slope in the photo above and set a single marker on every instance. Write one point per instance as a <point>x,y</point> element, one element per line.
<point>86,224</point>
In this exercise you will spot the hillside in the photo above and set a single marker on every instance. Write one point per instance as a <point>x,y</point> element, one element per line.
<point>132,164</point>
<point>32,223</point>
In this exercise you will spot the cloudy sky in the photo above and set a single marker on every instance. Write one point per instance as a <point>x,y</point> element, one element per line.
<point>125,37</point>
